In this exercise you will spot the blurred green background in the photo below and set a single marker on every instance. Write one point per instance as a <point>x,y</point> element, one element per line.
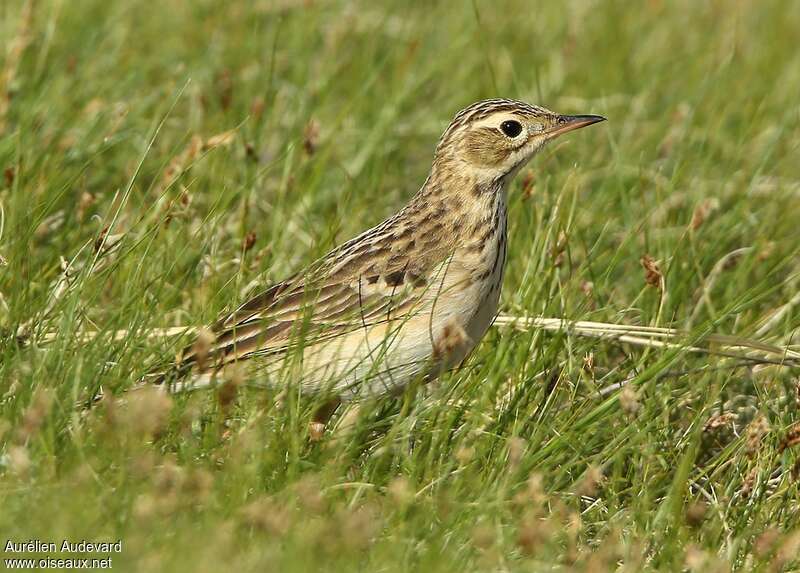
<point>161,161</point>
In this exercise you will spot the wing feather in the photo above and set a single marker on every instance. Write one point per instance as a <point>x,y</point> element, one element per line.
<point>361,283</point>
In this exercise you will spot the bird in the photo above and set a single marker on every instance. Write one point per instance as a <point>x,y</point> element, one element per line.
<point>404,300</point>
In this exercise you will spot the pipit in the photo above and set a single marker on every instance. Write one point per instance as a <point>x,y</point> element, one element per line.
<point>404,300</point>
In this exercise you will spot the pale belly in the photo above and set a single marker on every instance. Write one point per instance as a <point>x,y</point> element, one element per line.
<point>437,337</point>
<point>384,359</point>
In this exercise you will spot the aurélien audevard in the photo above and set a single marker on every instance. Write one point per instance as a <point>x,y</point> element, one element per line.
<point>65,546</point>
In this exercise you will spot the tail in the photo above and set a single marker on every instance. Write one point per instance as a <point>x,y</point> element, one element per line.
<point>177,379</point>
<point>172,377</point>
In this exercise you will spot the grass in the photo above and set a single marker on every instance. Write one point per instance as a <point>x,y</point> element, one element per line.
<point>162,161</point>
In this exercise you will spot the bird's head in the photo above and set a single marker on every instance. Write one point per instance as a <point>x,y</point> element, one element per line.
<point>493,139</point>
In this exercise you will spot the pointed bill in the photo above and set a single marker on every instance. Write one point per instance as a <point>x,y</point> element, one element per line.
<point>566,123</point>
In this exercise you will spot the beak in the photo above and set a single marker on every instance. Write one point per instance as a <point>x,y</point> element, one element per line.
<point>565,123</point>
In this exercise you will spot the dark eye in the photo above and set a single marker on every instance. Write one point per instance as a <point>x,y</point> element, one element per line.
<point>511,128</point>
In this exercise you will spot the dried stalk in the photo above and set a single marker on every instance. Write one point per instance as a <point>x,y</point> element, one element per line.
<point>648,336</point>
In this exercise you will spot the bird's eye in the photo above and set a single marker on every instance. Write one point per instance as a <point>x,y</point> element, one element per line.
<point>511,128</point>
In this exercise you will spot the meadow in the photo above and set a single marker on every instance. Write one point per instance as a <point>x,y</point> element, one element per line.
<point>162,161</point>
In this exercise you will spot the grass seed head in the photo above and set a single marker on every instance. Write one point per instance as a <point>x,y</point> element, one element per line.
<point>309,494</point>
<point>142,466</point>
<point>464,454</point>
<point>400,491</point>
<point>19,461</point>
<point>559,248</point>
<point>588,364</point>
<point>202,346</point>
<point>532,533</point>
<point>222,139</point>
<point>84,204</point>
<point>533,494</point>
<point>145,507</point>
<point>696,513</point>
<point>452,339</point>
<point>199,485</point>
<point>528,185</point>
<point>765,544</point>
<point>592,479</point>
<point>792,438</point>
<point>629,400</point>
<point>257,107</point>
<point>749,483</point>
<point>249,241</point>
<point>756,431</point>
<point>311,137</point>
<point>145,411</point>
<point>358,527</point>
<point>35,413</point>
<point>516,449</point>
<point>232,380</point>
<point>267,516</point>
<point>695,558</point>
<point>652,272</point>
<point>702,211</point>
<point>788,551</point>
<point>169,477</point>
<point>224,88</point>
<point>483,536</point>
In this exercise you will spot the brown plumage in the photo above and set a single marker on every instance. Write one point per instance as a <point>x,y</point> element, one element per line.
<point>382,309</point>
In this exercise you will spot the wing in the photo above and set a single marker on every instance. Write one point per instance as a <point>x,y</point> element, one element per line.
<point>366,281</point>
